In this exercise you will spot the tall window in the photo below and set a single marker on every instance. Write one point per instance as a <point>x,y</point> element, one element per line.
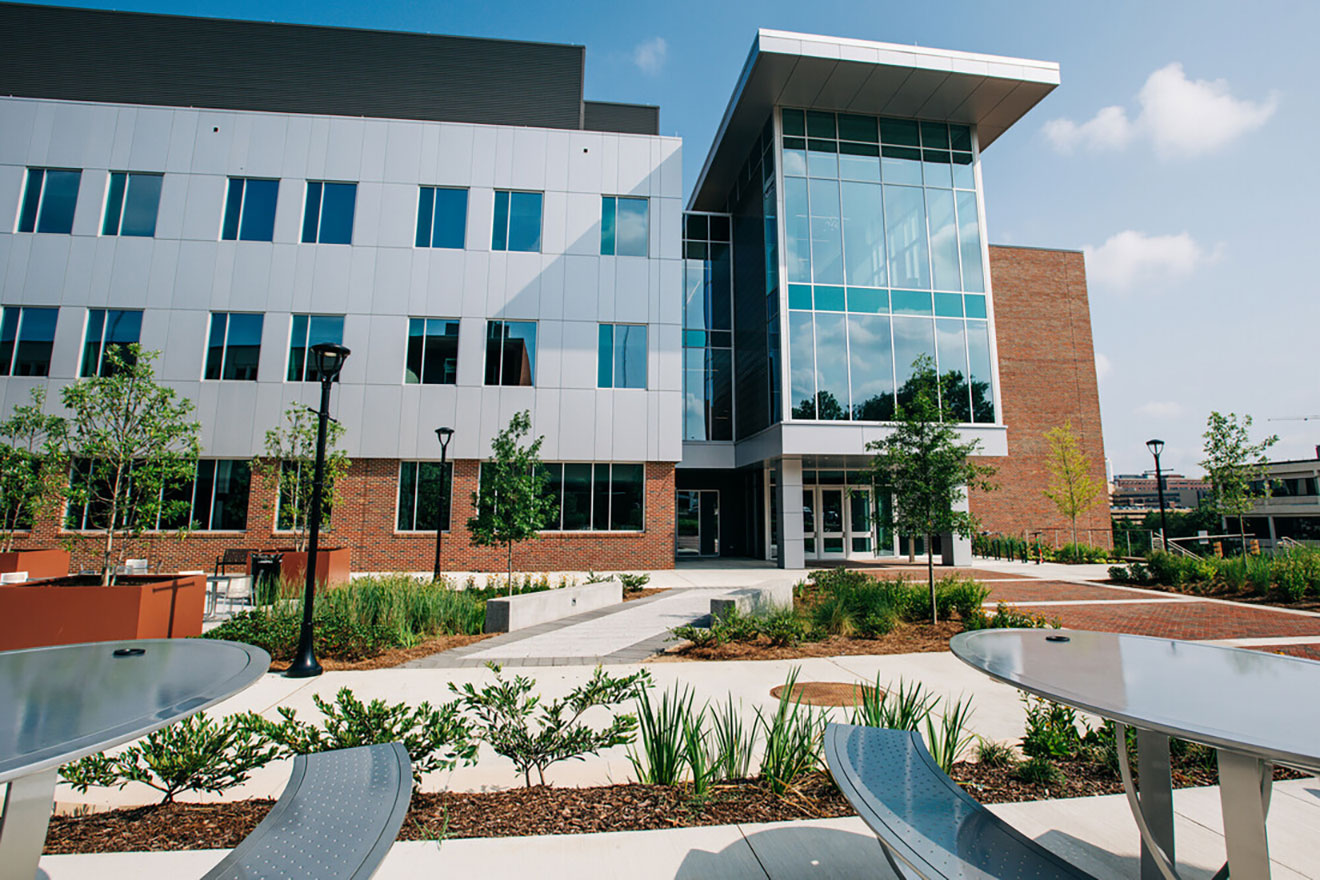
<point>623,226</point>
<point>510,352</point>
<point>250,209</point>
<point>131,204</point>
<point>49,198</point>
<point>234,348</point>
<point>328,212</point>
<point>441,217</point>
<point>621,356</point>
<point>27,335</point>
<point>517,225</point>
<point>107,329</point>
<point>707,328</point>
<point>424,495</point>
<point>432,352</point>
<point>595,497</point>
<point>306,331</point>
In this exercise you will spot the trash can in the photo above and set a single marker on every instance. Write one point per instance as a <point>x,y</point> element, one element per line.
<point>265,578</point>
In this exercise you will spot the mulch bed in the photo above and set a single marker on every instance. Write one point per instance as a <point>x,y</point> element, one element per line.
<point>643,593</point>
<point>392,657</point>
<point>906,638</point>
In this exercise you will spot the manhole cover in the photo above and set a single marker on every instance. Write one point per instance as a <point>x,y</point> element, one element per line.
<point>826,693</point>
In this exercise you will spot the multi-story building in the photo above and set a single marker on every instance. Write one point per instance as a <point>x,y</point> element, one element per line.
<point>1291,508</point>
<point>486,241</point>
<point>1139,492</point>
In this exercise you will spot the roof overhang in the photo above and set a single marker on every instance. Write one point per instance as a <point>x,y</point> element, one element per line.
<point>990,92</point>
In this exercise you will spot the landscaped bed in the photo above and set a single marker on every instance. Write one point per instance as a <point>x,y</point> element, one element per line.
<point>1288,577</point>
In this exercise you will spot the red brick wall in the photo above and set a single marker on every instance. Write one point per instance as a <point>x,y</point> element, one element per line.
<point>365,521</point>
<point>1047,376</point>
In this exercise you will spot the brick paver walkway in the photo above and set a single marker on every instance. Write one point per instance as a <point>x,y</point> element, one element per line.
<point>1024,591</point>
<point>1191,619</point>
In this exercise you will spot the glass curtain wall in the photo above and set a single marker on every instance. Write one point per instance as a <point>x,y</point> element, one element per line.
<point>884,263</point>
<point>707,328</point>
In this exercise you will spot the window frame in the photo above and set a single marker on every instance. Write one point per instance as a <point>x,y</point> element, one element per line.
<point>37,212</point>
<point>240,220</point>
<point>224,347</point>
<point>306,348</point>
<point>614,355</point>
<point>118,188</point>
<point>504,339</point>
<point>7,367</point>
<point>422,192</point>
<point>613,228</point>
<point>448,478</point>
<point>425,344</point>
<point>500,243</point>
<point>593,517</point>
<point>84,527</point>
<point>101,343</point>
<point>320,211</point>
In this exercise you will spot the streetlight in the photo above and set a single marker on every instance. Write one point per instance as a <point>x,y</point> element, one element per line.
<point>444,435</point>
<point>1156,447</point>
<point>328,359</point>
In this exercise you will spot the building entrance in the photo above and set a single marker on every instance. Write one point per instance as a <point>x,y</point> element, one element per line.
<point>698,523</point>
<point>838,522</point>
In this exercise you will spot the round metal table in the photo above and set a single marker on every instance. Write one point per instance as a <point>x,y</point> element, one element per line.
<point>60,703</point>
<point>1256,709</point>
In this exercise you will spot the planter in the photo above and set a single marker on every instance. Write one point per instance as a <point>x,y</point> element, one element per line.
<point>37,563</point>
<point>332,565</point>
<point>78,609</point>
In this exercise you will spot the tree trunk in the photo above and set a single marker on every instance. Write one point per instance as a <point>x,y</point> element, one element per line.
<point>1242,534</point>
<point>1074,529</point>
<point>509,571</point>
<point>930,575</point>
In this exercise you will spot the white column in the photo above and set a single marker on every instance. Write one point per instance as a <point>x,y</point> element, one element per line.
<point>956,550</point>
<point>788,489</point>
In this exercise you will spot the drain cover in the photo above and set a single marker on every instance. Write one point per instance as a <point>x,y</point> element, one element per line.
<point>826,693</point>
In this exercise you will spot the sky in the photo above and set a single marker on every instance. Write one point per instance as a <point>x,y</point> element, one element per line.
<point>1174,154</point>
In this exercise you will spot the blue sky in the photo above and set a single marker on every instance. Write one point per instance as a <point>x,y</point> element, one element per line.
<point>1179,152</point>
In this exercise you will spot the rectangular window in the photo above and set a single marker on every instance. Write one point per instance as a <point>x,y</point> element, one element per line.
<point>306,331</point>
<point>424,493</point>
<point>441,217</point>
<point>622,356</point>
<point>432,352</point>
<point>27,335</point>
<point>49,197</point>
<point>596,497</point>
<point>131,204</point>
<point>511,353</point>
<point>234,347</point>
<point>295,484</point>
<point>517,225</point>
<point>623,226</point>
<point>108,329</point>
<point>328,213</point>
<point>215,499</point>
<point>250,209</point>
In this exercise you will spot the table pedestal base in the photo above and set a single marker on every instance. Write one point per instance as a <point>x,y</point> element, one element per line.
<point>28,804</point>
<point>1245,784</point>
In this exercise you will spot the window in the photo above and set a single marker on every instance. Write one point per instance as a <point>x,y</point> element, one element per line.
<point>328,213</point>
<point>622,356</point>
<point>106,329</point>
<point>250,210</point>
<point>215,499</point>
<point>49,198</point>
<point>296,483</point>
<point>511,353</point>
<point>441,217</point>
<point>131,204</point>
<point>309,330</point>
<point>26,337</point>
<point>517,224</point>
<point>424,493</point>
<point>623,229</point>
<point>595,497</point>
<point>432,352</point>
<point>234,348</point>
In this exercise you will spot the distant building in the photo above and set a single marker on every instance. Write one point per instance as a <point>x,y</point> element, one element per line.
<point>1137,493</point>
<point>1292,508</point>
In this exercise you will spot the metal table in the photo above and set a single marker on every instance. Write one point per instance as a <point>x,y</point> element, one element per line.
<point>1256,709</point>
<point>60,703</point>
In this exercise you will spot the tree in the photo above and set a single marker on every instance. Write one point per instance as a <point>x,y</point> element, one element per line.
<point>134,447</point>
<point>927,469</point>
<point>290,463</point>
<point>1233,464</point>
<point>32,470</point>
<point>511,502</point>
<point>1072,488</point>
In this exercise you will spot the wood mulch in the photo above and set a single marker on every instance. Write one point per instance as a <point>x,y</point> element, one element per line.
<point>906,638</point>
<point>642,593</point>
<point>394,656</point>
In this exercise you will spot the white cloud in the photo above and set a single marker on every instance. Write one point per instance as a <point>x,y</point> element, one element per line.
<point>1180,117</point>
<point>1130,257</point>
<point>649,55</point>
<point>1160,409</point>
<point>1102,367</point>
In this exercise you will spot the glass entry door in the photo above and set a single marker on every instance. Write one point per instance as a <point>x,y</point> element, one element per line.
<point>697,527</point>
<point>838,523</point>
<point>860,540</point>
<point>832,525</point>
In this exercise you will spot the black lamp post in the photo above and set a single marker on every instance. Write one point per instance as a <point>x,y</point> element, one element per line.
<point>328,359</point>
<point>1156,447</point>
<point>444,435</point>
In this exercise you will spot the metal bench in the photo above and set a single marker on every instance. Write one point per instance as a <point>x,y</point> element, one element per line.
<point>928,826</point>
<point>337,818</point>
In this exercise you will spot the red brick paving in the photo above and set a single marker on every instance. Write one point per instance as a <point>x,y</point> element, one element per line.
<point>1308,652</point>
<point>1183,620</point>
<point>1057,591</point>
<point>889,571</point>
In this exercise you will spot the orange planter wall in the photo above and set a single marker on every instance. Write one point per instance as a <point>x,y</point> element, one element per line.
<point>332,565</point>
<point>37,563</point>
<point>37,615</point>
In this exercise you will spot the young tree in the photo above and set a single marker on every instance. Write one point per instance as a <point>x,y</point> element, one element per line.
<point>290,463</point>
<point>1232,464</point>
<point>511,503</point>
<point>132,443</point>
<point>32,469</point>
<point>1072,488</point>
<point>927,469</point>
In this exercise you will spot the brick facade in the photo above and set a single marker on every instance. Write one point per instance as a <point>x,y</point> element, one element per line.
<point>1047,376</point>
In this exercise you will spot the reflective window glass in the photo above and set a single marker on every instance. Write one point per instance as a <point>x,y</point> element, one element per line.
<point>627,491</point>
<point>802,365</point>
<point>913,337</point>
<point>978,349</point>
<point>27,336</point>
<point>870,358</point>
<point>49,198</point>
<point>441,217</point>
<point>969,242</point>
<point>864,233</point>
<point>234,346</point>
<point>935,135</point>
<point>432,354</point>
<point>424,495</point>
<point>250,210</point>
<point>306,331</point>
<point>964,177</point>
<point>132,202</point>
<point>832,400</point>
<point>109,329</point>
<point>826,235</point>
<point>794,123</point>
<point>901,165</point>
<point>951,355</point>
<point>517,222</point>
<point>943,239</point>
<point>328,212</point>
<point>621,356</point>
<point>905,227</point>
<point>510,352</point>
<point>902,132</point>
<point>797,230</point>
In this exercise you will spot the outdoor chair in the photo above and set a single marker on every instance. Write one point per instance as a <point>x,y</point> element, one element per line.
<point>927,825</point>
<point>337,818</point>
<point>232,556</point>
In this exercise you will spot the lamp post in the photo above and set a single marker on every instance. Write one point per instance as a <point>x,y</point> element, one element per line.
<point>328,359</point>
<point>444,435</point>
<point>1156,447</point>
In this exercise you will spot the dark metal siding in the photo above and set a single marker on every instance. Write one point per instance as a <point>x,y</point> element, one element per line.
<point>94,55</point>
<point>626,118</point>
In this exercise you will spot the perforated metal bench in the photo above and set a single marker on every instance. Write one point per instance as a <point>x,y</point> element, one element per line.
<point>928,826</point>
<point>337,818</point>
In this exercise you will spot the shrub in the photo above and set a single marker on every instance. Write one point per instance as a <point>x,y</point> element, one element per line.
<point>1077,554</point>
<point>1038,771</point>
<point>792,739</point>
<point>1008,617</point>
<point>990,753</point>
<point>1051,729</point>
<point>784,628</point>
<point>963,595</point>
<point>698,754</point>
<point>699,636</point>
<point>903,708</point>
<point>660,756</point>
<point>633,582</point>
<point>195,754</point>
<point>276,629</point>
<point>948,739</point>
<point>734,741</point>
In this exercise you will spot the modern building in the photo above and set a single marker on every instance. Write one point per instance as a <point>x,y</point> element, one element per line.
<point>1133,493</point>
<point>1291,510</point>
<point>485,240</point>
